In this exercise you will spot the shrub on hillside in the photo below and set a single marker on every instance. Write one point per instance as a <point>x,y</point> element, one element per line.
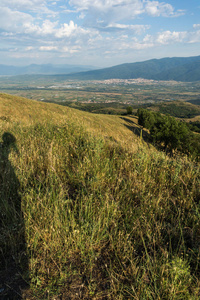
<point>129,110</point>
<point>169,133</point>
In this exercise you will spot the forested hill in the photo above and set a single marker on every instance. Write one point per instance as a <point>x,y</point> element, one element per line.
<point>177,68</point>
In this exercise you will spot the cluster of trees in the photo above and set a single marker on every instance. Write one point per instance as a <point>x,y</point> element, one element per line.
<point>129,110</point>
<point>194,126</point>
<point>169,133</point>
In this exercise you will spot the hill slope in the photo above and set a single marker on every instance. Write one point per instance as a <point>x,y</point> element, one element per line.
<point>83,215</point>
<point>176,68</point>
<point>24,112</point>
<point>43,69</point>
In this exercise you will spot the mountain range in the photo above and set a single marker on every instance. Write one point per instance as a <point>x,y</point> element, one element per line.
<point>45,69</point>
<point>186,69</point>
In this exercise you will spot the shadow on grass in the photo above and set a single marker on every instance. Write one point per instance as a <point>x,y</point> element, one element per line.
<point>133,126</point>
<point>13,258</point>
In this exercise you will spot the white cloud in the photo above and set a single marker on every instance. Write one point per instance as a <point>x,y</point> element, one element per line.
<point>88,27</point>
<point>67,30</point>
<point>68,11</point>
<point>13,49</point>
<point>194,37</point>
<point>150,41</point>
<point>136,29</point>
<point>50,30</point>
<point>156,9</point>
<point>13,20</point>
<point>126,45</point>
<point>100,4</point>
<point>168,37</point>
<point>147,39</point>
<point>36,6</point>
<point>48,48</point>
<point>109,10</point>
<point>81,16</point>
<point>29,48</point>
<point>70,49</point>
<point>22,4</point>
<point>117,10</point>
<point>47,28</point>
<point>196,26</point>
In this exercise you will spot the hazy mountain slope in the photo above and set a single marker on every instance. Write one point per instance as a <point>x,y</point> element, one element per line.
<point>177,68</point>
<point>43,69</point>
<point>186,72</point>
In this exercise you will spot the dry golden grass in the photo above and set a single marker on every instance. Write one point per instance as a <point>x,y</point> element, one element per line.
<point>29,112</point>
<point>89,211</point>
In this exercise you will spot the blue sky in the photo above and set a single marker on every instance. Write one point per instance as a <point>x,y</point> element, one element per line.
<point>101,33</point>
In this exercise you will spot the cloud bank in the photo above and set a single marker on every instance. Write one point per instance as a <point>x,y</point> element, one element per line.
<point>88,28</point>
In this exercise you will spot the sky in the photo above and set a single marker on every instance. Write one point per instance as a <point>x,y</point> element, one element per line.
<point>101,33</point>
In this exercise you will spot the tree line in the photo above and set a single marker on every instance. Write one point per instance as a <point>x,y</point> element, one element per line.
<point>169,133</point>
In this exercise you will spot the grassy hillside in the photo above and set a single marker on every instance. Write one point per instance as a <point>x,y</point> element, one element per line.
<point>23,112</point>
<point>90,211</point>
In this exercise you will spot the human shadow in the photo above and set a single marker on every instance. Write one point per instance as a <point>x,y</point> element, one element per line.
<point>13,254</point>
<point>133,126</point>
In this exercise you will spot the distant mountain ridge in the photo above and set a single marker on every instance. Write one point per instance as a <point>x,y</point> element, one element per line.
<point>185,69</point>
<point>45,69</point>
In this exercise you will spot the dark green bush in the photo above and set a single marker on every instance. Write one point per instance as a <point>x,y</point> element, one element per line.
<point>169,133</point>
